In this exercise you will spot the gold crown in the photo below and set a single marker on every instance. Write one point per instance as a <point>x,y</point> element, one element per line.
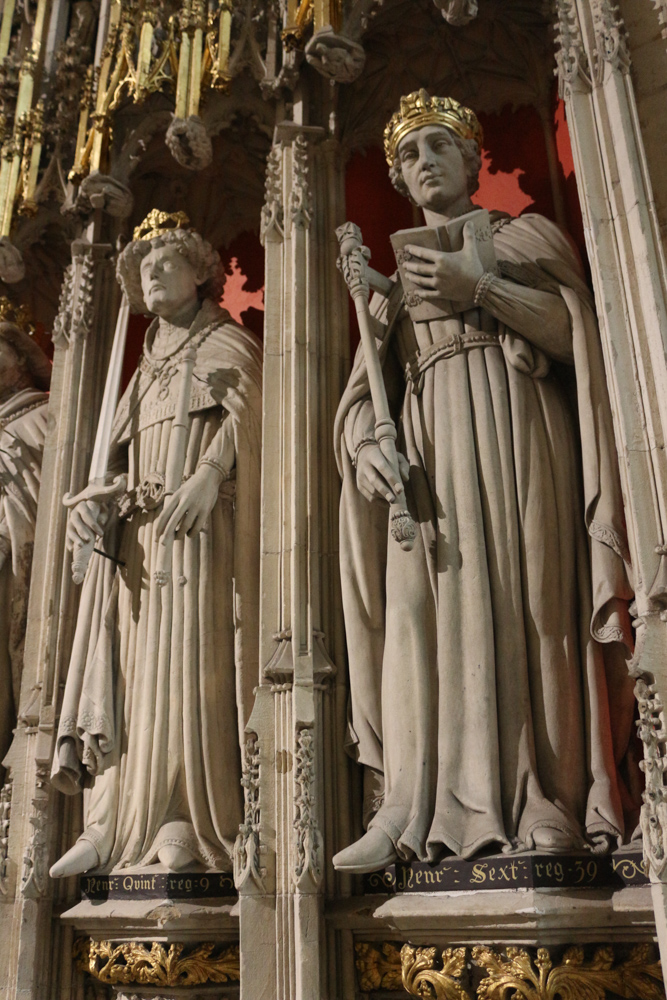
<point>418,109</point>
<point>157,223</point>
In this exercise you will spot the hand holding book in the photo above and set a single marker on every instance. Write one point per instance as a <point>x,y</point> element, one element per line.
<point>440,266</point>
<point>450,276</point>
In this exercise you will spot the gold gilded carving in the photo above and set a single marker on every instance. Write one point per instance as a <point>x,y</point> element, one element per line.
<point>158,223</point>
<point>422,979</point>
<point>512,974</point>
<point>379,968</point>
<point>134,962</point>
<point>18,314</point>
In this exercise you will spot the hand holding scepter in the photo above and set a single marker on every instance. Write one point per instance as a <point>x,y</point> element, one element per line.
<point>353,263</point>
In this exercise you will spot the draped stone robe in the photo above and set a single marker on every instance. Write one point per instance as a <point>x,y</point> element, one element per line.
<point>161,677</point>
<point>22,436</point>
<point>478,676</point>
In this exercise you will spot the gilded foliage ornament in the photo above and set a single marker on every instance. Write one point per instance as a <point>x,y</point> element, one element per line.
<point>379,968</point>
<point>134,962</point>
<point>512,975</point>
<point>422,979</point>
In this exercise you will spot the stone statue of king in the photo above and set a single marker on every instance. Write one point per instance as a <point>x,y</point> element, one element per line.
<point>164,657</point>
<point>490,697</point>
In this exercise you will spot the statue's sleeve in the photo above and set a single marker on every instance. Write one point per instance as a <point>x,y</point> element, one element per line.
<point>221,452</point>
<point>359,427</point>
<point>542,317</point>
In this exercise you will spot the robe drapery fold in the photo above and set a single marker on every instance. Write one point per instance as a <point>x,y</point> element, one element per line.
<point>23,423</point>
<point>161,677</point>
<point>478,674</point>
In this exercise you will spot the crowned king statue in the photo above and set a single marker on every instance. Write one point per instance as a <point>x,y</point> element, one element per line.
<point>165,652</point>
<point>491,703</point>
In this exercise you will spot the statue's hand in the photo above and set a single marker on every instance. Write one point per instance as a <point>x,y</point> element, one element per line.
<point>375,476</point>
<point>86,523</point>
<point>186,510</point>
<point>440,275</point>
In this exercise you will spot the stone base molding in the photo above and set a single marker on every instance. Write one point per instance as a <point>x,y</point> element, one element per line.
<point>484,973</point>
<point>142,964</point>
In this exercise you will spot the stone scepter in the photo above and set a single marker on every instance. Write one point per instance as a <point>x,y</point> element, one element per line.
<point>353,264</point>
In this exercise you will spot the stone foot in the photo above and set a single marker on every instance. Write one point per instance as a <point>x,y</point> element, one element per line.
<point>80,858</point>
<point>546,838</point>
<point>175,857</point>
<point>374,851</point>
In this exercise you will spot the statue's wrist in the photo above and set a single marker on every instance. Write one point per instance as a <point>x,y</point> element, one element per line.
<point>482,287</point>
<point>211,466</point>
<point>365,441</point>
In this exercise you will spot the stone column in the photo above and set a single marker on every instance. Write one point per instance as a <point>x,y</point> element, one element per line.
<point>628,270</point>
<point>293,761</point>
<point>40,822</point>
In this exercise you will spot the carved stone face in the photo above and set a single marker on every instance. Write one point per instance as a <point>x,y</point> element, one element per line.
<point>433,168</point>
<point>168,282</point>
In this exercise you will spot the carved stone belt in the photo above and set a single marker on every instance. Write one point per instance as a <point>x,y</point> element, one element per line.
<point>447,348</point>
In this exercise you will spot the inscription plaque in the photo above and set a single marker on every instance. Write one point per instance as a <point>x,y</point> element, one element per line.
<point>519,871</point>
<point>161,885</point>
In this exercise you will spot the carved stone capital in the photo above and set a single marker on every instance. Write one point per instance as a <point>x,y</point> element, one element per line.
<point>571,61</point>
<point>610,39</point>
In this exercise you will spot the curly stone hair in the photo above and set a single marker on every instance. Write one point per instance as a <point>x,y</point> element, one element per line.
<point>204,259</point>
<point>471,158</point>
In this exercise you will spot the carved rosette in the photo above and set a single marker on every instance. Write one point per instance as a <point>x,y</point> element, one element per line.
<point>5,817</point>
<point>571,59</point>
<point>300,203</point>
<point>139,963</point>
<point>309,864</point>
<point>35,878</point>
<point>610,39</point>
<point>651,730</point>
<point>248,873</point>
<point>273,210</point>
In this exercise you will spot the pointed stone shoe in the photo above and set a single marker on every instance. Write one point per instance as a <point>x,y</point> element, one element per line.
<point>80,858</point>
<point>175,857</point>
<point>372,852</point>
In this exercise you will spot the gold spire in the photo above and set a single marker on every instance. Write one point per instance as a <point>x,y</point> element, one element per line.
<point>418,109</point>
<point>157,223</point>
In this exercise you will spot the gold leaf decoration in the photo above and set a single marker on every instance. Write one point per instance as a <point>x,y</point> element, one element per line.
<point>421,978</point>
<point>512,975</point>
<point>379,968</point>
<point>134,962</point>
